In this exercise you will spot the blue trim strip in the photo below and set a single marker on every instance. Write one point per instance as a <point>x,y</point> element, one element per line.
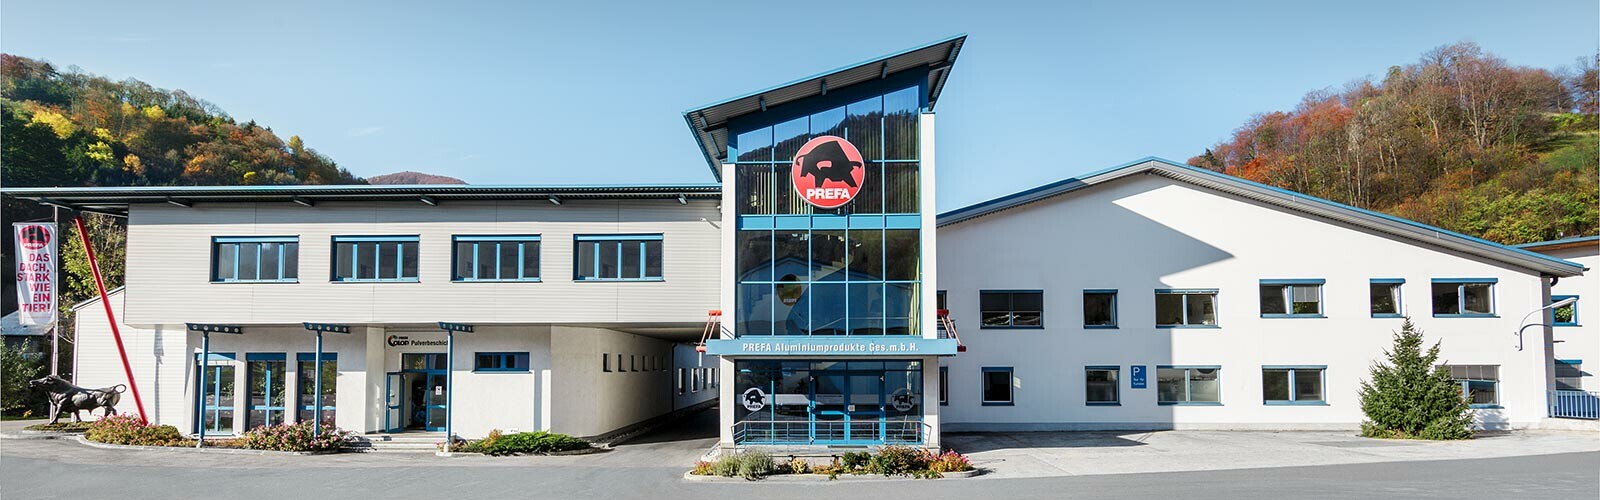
<point>265,356</point>
<point>617,237</point>
<point>1387,281</point>
<point>501,237</point>
<point>351,239</point>
<point>311,356</point>
<point>1575,239</point>
<point>1186,290</point>
<point>1299,281</point>
<point>1466,280</point>
<point>255,239</point>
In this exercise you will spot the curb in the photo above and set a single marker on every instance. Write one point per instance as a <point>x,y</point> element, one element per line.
<point>29,434</point>
<point>822,478</point>
<point>217,451</point>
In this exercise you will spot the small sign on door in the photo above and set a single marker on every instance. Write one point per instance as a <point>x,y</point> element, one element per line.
<point>438,390</point>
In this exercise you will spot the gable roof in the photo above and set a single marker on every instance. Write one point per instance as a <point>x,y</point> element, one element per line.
<point>709,122</point>
<point>1404,229</point>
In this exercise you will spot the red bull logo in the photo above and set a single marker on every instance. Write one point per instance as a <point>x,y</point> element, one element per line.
<point>33,237</point>
<point>828,172</point>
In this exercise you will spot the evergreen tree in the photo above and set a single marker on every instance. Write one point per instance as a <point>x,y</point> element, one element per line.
<point>1411,397</point>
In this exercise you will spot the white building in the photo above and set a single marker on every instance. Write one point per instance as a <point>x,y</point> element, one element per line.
<point>1577,327</point>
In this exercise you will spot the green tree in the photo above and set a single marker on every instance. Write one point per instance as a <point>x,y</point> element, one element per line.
<point>15,372</point>
<point>1410,396</point>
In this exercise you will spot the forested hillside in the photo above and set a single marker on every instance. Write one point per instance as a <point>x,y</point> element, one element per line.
<point>1460,139</point>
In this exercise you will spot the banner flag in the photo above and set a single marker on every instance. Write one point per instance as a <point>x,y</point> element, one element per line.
<point>36,272</point>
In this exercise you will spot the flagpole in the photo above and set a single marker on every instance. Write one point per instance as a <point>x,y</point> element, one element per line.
<point>55,316</point>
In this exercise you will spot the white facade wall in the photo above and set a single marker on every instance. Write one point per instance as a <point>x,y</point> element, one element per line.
<point>1581,342</point>
<point>171,247</point>
<point>593,401</point>
<point>1144,233</point>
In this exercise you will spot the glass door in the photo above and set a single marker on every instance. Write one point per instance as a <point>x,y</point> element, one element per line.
<point>866,407</point>
<point>265,406</point>
<point>426,392</point>
<point>829,417</point>
<point>216,401</point>
<point>438,392</point>
<point>391,403</point>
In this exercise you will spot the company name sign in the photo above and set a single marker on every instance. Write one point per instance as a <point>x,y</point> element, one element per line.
<point>403,341</point>
<point>831,346</point>
<point>828,171</point>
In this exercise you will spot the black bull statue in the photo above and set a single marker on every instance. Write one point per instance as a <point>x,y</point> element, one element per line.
<point>67,397</point>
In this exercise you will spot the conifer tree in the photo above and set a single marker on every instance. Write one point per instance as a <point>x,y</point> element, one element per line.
<point>1410,397</point>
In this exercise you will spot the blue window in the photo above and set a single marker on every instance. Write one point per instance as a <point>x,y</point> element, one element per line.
<point>1293,385</point>
<point>944,386</point>
<point>1463,297</point>
<point>997,382</point>
<point>375,258</point>
<point>1480,384</point>
<point>307,392</point>
<point>1291,298</point>
<point>1566,315</point>
<point>1385,297</point>
<point>266,403</point>
<point>617,257</point>
<point>255,259</point>
<point>500,362</point>
<point>496,258</point>
<point>1189,385</point>
<point>216,396</point>
<point>1099,308</point>
<point>1100,385</point>
<point>1011,308</point>
<point>1186,308</point>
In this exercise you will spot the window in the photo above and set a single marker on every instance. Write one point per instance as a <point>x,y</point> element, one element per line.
<point>621,367</point>
<point>308,386</point>
<point>1386,297</point>
<point>1463,297</point>
<point>500,362</point>
<point>1011,309</point>
<point>216,403</point>
<point>635,257</point>
<point>1480,383</point>
<point>694,380</point>
<point>1100,385</point>
<point>1099,308</point>
<point>997,386</point>
<point>496,258</point>
<point>265,374</point>
<point>682,381</point>
<point>375,258</point>
<point>1188,385</point>
<point>1569,374</point>
<point>944,386</point>
<point>273,259</point>
<point>1284,385</point>
<point>1291,298</point>
<point>605,361</point>
<point>1566,315</point>
<point>941,307</point>
<point>1186,308</point>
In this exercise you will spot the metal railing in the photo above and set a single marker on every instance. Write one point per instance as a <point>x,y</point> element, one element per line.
<point>830,432</point>
<point>1575,404</point>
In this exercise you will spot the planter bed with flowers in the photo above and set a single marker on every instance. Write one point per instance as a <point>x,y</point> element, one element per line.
<point>889,462</point>
<point>522,443</point>
<point>128,432</point>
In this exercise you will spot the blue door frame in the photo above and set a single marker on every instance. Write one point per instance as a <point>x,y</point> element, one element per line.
<point>272,409</point>
<point>428,378</point>
<point>392,398</point>
<point>852,413</point>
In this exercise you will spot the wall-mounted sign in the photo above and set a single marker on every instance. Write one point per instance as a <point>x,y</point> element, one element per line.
<point>1138,378</point>
<point>402,341</point>
<point>828,171</point>
<point>754,399</point>
<point>36,273</point>
<point>831,346</point>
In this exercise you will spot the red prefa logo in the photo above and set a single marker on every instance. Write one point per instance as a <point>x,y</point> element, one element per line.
<point>34,237</point>
<point>828,171</point>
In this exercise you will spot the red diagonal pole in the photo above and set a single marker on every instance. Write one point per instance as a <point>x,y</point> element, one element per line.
<point>99,284</point>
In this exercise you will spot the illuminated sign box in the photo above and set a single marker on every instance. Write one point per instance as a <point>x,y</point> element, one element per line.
<point>832,346</point>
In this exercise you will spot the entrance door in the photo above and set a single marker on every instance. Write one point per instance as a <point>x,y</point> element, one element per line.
<point>847,408</point>
<point>216,402</point>
<point>391,403</point>
<point>426,390</point>
<point>265,376</point>
<point>866,407</point>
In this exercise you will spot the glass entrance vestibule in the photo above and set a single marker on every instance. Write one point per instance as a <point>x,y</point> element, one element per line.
<point>415,397</point>
<point>828,402</point>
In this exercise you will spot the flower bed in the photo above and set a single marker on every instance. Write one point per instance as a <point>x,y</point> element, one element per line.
<point>293,437</point>
<point>521,443</point>
<point>890,461</point>
<point>129,430</point>
<point>59,427</point>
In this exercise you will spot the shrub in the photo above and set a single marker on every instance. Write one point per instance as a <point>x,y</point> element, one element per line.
<point>798,465</point>
<point>537,442</point>
<point>703,468</point>
<point>897,460</point>
<point>472,445</point>
<point>831,470</point>
<point>949,461</point>
<point>755,465</point>
<point>293,437</point>
<point>726,466</point>
<point>1410,397</point>
<point>61,427</point>
<point>129,430</point>
<point>853,460</point>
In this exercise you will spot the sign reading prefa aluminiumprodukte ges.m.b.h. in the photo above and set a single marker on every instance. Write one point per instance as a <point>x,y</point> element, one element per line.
<point>828,171</point>
<point>36,272</point>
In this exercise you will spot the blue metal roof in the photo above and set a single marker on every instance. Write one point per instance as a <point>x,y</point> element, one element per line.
<point>1385,223</point>
<point>708,122</point>
<point>1560,242</point>
<point>115,200</point>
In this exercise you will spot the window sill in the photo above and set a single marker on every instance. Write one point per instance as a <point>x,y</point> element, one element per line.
<point>999,403</point>
<point>1387,315</point>
<point>1468,315</point>
<point>399,280</point>
<point>1486,407</point>
<point>1187,327</point>
<point>1291,316</point>
<point>1107,403</point>
<point>253,282</point>
<point>1188,403</point>
<point>1295,403</point>
<point>1565,324</point>
<point>527,280</point>
<point>1099,327</point>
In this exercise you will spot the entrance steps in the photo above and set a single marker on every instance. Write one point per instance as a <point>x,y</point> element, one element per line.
<point>403,442</point>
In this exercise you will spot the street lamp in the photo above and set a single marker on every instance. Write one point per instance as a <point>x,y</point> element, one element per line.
<point>1560,303</point>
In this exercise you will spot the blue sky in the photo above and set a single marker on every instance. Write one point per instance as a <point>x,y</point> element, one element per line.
<point>592,91</point>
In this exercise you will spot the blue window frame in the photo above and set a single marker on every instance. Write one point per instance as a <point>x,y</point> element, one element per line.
<point>944,386</point>
<point>266,374</point>
<point>617,257</point>
<point>1566,315</point>
<point>255,259</point>
<point>1101,385</point>
<point>500,362</point>
<point>1011,308</point>
<point>375,258</point>
<point>1189,385</point>
<point>215,399</point>
<point>1186,308</point>
<point>1293,385</point>
<point>1463,297</point>
<point>1480,384</point>
<point>1291,298</point>
<point>997,386</point>
<point>496,258</point>
<point>306,392</point>
<point>1100,309</point>
<point>1385,293</point>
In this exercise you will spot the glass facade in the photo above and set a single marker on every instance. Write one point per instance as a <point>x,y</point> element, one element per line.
<point>828,402</point>
<point>851,270</point>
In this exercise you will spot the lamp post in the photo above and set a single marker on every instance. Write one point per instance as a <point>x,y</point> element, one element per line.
<point>1553,305</point>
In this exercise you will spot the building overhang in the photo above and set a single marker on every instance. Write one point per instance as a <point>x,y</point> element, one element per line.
<point>840,345</point>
